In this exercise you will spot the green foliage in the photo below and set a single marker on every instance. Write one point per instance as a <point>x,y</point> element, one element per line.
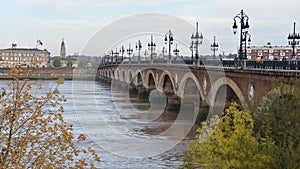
<point>83,63</point>
<point>94,64</point>
<point>56,62</point>
<point>33,133</point>
<point>228,142</point>
<point>278,117</point>
<point>69,63</point>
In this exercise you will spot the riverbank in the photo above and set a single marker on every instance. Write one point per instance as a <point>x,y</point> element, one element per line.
<point>50,73</point>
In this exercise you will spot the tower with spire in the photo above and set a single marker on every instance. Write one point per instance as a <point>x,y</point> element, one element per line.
<point>63,49</point>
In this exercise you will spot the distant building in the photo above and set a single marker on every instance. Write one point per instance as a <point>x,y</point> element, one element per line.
<point>24,57</point>
<point>272,52</point>
<point>62,49</point>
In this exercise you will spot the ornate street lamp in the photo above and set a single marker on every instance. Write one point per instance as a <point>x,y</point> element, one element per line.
<point>244,31</point>
<point>176,51</point>
<point>151,47</point>
<point>164,50</point>
<point>112,56</point>
<point>122,51</point>
<point>249,40</point>
<point>116,54</point>
<point>169,39</point>
<point>293,39</point>
<point>129,52</point>
<point>214,47</point>
<point>145,54</point>
<point>197,40</point>
<point>192,50</point>
<point>138,47</point>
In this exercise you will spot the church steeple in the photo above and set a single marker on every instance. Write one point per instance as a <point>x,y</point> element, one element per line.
<point>63,49</point>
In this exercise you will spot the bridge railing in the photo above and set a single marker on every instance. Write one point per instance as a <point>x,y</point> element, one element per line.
<point>274,64</point>
<point>249,64</point>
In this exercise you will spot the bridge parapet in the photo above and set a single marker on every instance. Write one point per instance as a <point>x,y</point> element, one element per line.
<point>248,64</point>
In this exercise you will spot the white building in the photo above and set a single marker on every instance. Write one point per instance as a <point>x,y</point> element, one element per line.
<point>24,57</point>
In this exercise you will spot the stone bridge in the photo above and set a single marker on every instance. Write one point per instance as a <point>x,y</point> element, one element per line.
<point>211,83</point>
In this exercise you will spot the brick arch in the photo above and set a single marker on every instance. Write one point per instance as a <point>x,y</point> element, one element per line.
<point>147,78</point>
<point>161,81</point>
<point>135,77</point>
<point>218,84</point>
<point>182,84</point>
<point>130,77</point>
<point>117,74</point>
<point>123,75</point>
<point>112,74</point>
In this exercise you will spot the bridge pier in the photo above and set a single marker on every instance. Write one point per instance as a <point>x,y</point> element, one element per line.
<point>133,91</point>
<point>106,80</point>
<point>143,94</point>
<point>173,103</point>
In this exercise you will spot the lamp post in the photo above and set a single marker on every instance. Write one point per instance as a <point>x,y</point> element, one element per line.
<point>122,51</point>
<point>249,40</point>
<point>116,54</point>
<point>293,39</point>
<point>169,40</point>
<point>164,50</point>
<point>214,47</point>
<point>176,51</point>
<point>129,52</point>
<point>146,54</point>
<point>197,40</point>
<point>112,56</point>
<point>138,47</point>
<point>151,47</point>
<point>192,50</point>
<point>243,34</point>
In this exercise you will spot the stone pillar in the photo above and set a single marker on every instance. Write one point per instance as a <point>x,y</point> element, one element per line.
<point>244,64</point>
<point>143,94</point>
<point>133,91</point>
<point>173,103</point>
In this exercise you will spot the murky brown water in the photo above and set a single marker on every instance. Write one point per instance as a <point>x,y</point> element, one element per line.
<point>120,119</point>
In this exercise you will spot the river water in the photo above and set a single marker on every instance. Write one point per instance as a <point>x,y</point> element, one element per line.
<point>120,134</point>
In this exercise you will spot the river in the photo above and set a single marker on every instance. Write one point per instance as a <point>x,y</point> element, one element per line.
<point>120,134</point>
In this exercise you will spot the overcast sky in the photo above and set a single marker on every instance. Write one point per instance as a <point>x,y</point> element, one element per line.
<point>77,21</point>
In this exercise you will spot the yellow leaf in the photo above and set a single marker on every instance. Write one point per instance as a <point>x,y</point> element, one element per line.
<point>81,137</point>
<point>15,70</point>
<point>53,75</point>
<point>60,81</point>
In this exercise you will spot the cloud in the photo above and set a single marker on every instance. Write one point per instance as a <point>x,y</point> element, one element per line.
<point>84,3</point>
<point>73,24</point>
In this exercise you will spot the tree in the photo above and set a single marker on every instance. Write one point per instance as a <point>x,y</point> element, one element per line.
<point>56,62</point>
<point>82,63</point>
<point>33,133</point>
<point>228,142</point>
<point>69,63</point>
<point>94,64</point>
<point>277,117</point>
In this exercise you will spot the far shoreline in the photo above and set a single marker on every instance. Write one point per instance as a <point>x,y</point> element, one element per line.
<point>50,73</point>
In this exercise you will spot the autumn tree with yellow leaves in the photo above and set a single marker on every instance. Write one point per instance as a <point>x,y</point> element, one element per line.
<point>33,133</point>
